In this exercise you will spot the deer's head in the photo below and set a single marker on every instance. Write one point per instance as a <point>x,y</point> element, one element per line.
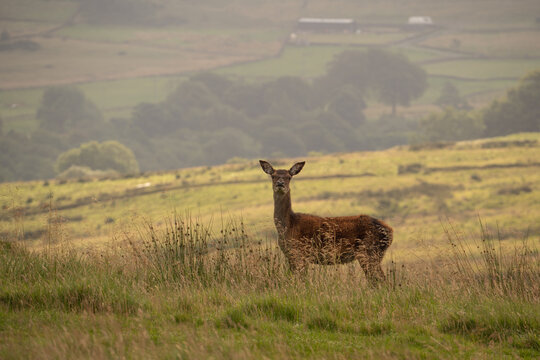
<point>281,178</point>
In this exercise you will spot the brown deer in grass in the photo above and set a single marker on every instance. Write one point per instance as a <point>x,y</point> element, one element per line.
<point>306,238</point>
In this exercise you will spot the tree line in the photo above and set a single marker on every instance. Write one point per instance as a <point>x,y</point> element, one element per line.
<point>517,112</point>
<point>210,119</point>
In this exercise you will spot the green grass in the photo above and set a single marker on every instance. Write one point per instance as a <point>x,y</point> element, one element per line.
<point>103,33</point>
<point>505,44</point>
<point>466,88</point>
<point>415,201</point>
<point>159,294</point>
<point>56,11</point>
<point>483,69</point>
<point>363,38</point>
<point>307,62</point>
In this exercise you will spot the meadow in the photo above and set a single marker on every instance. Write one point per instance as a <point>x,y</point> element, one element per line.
<point>185,263</point>
<point>462,181</point>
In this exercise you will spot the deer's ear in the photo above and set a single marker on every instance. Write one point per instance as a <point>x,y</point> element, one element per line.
<point>267,168</point>
<point>295,169</point>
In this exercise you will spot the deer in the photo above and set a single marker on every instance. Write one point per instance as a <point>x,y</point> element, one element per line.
<point>310,239</point>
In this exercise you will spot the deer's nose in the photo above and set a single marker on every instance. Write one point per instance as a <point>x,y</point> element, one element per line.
<point>280,183</point>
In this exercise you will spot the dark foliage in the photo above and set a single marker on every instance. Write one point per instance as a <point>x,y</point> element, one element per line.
<point>519,112</point>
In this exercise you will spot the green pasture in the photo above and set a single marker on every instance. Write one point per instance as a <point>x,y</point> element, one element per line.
<point>358,39</point>
<point>466,88</point>
<point>104,33</point>
<point>23,28</point>
<point>173,36</point>
<point>115,98</point>
<point>512,44</point>
<point>307,61</point>
<point>483,69</point>
<point>55,11</point>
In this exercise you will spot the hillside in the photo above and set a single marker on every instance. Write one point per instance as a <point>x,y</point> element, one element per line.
<point>413,189</point>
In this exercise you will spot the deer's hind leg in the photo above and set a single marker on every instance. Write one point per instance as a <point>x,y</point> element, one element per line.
<point>371,264</point>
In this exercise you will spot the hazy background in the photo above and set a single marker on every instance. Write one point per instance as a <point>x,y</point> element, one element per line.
<point>122,86</point>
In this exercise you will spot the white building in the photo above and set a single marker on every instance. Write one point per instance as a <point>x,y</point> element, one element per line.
<point>420,20</point>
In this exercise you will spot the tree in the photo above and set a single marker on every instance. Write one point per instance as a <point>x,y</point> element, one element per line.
<point>227,143</point>
<point>109,155</point>
<point>518,112</point>
<point>64,108</point>
<point>280,140</point>
<point>394,79</point>
<point>349,67</point>
<point>151,119</point>
<point>450,97</point>
<point>348,104</point>
<point>217,84</point>
<point>452,125</point>
<point>187,104</point>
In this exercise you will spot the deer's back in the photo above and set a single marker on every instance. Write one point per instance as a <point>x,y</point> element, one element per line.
<point>360,231</point>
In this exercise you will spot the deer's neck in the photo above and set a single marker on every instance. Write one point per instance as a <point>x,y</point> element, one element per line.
<point>282,211</point>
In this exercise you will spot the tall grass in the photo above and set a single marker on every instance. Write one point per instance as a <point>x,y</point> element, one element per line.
<point>186,252</point>
<point>182,290</point>
<point>488,264</point>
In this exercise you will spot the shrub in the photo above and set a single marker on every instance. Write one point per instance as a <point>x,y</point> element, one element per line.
<point>109,155</point>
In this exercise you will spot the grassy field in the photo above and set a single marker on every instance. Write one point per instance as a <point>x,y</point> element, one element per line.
<point>510,44</point>
<point>460,14</point>
<point>56,11</point>
<point>461,182</point>
<point>482,69</point>
<point>185,264</point>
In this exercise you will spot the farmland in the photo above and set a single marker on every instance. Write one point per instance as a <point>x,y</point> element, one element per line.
<point>136,63</point>
<point>103,279</point>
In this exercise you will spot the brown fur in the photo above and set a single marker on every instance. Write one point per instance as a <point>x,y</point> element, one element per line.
<point>306,238</point>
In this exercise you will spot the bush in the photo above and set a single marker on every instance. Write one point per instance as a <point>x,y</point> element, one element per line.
<point>109,155</point>
<point>519,112</point>
<point>84,172</point>
<point>452,125</point>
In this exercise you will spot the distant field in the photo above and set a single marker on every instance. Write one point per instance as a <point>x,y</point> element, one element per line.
<point>504,44</point>
<point>483,69</point>
<point>460,14</point>
<point>57,63</point>
<point>363,38</point>
<point>26,28</point>
<point>180,37</point>
<point>54,11</point>
<point>306,61</point>
<point>466,88</point>
<point>120,66</point>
